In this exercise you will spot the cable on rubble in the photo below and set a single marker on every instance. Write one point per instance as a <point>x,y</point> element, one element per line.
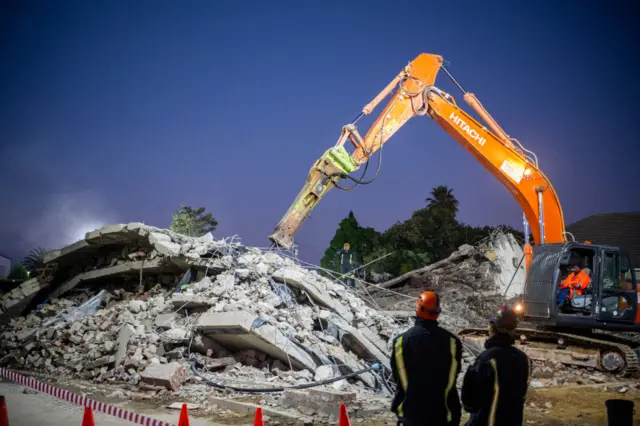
<point>374,367</point>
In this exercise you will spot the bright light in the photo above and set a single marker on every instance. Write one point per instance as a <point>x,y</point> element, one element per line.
<point>518,308</point>
<point>77,234</point>
<point>527,172</point>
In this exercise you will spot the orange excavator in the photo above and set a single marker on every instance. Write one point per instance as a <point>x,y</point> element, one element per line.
<point>582,332</point>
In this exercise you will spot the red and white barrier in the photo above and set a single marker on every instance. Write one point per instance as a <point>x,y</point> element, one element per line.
<point>82,400</point>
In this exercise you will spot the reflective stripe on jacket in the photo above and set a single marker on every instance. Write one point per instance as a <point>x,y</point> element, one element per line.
<point>495,386</point>
<point>425,364</point>
<point>346,261</point>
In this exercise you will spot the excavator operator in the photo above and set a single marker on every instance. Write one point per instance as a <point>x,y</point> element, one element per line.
<point>575,283</point>
<point>425,363</point>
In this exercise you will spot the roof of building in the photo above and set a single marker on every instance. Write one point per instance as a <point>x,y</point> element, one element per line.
<point>613,229</point>
<point>6,257</point>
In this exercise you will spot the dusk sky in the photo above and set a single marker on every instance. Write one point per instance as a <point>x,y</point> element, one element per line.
<point>120,111</point>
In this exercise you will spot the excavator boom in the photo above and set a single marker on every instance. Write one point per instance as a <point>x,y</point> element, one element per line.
<point>416,94</point>
<point>336,163</point>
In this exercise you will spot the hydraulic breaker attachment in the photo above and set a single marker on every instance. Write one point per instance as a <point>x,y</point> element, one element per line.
<point>323,176</point>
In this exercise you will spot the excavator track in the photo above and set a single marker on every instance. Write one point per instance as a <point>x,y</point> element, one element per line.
<point>575,349</point>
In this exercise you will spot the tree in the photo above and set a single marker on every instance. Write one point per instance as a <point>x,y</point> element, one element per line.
<point>193,222</point>
<point>34,259</point>
<point>443,208</point>
<point>442,201</point>
<point>18,272</point>
<point>431,233</point>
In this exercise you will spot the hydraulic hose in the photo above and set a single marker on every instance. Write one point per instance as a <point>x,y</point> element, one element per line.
<point>374,367</point>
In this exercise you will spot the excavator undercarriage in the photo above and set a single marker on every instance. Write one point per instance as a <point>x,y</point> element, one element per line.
<point>602,352</point>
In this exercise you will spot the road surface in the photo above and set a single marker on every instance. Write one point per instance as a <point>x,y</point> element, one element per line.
<point>43,410</point>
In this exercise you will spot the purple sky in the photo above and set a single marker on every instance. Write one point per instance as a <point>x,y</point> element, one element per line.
<point>121,111</point>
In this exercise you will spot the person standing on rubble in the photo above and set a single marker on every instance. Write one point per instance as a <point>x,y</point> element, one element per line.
<point>425,364</point>
<point>495,386</point>
<point>347,264</point>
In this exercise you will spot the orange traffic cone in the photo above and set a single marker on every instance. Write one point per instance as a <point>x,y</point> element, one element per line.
<point>87,420</point>
<point>343,420</point>
<point>4,414</point>
<point>184,416</point>
<point>258,419</point>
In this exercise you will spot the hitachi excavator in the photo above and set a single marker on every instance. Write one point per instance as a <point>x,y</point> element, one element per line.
<point>584,332</point>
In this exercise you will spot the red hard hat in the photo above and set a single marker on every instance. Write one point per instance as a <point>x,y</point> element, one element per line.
<point>428,305</point>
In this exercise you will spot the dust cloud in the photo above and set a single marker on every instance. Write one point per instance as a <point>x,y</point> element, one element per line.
<point>67,217</point>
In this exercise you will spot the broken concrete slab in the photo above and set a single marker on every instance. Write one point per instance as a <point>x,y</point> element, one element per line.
<point>242,330</point>
<point>165,321</point>
<point>357,343</point>
<point>348,364</point>
<point>190,301</point>
<point>154,265</point>
<point>373,338</point>
<point>207,346</point>
<point>170,376</point>
<point>167,248</point>
<point>52,255</point>
<point>297,278</point>
<point>105,360</point>
<point>13,302</point>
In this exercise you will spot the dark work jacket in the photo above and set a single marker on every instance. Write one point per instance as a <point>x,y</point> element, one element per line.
<point>425,363</point>
<point>347,260</point>
<point>495,386</point>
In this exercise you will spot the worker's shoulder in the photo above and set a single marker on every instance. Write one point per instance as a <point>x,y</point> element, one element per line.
<point>437,333</point>
<point>519,353</point>
<point>503,353</point>
<point>447,334</point>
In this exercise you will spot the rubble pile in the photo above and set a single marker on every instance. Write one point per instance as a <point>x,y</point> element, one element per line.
<point>245,315</point>
<point>472,282</point>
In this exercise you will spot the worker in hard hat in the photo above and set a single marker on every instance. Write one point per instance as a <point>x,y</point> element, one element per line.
<point>347,264</point>
<point>495,386</point>
<point>425,363</point>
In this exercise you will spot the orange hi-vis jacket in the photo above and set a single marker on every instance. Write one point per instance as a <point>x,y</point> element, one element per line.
<point>576,282</point>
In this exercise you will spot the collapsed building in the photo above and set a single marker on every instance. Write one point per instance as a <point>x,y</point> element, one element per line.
<point>134,303</point>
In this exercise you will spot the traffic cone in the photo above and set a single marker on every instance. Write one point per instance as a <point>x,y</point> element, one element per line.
<point>87,420</point>
<point>4,414</point>
<point>343,420</point>
<point>257,421</point>
<point>184,416</point>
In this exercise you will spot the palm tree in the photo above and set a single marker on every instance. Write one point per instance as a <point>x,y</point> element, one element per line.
<point>34,259</point>
<point>442,199</point>
<point>444,208</point>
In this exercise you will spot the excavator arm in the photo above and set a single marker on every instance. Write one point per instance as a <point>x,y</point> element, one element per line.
<point>514,166</point>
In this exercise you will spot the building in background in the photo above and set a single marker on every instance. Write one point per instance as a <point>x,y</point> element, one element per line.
<point>5,266</point>
<point>613,229</point>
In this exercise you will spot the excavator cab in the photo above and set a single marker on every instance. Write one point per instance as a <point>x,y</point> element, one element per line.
<point>610,301</point>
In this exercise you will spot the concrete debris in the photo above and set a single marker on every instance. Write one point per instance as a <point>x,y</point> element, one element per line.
<point>170,376</point>
<point>136,304</point>
<point>471,283</point>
